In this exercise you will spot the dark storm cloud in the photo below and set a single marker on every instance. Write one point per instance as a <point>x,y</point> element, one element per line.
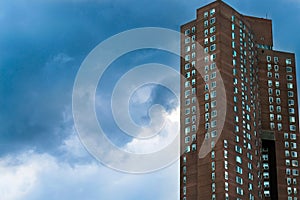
<point>42,45</point>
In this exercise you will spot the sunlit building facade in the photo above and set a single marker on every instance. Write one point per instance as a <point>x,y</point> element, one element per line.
<point>239,110</point>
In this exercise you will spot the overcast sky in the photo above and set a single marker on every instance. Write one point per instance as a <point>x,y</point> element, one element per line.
<point>42,45</point>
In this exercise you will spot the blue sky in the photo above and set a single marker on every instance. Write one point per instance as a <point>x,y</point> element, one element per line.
<point>42,45</point>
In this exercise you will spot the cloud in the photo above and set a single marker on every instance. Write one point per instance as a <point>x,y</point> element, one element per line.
<point>162,139</point>
<point>35,176</point>
<point>62,58</point>
<point>142,95</point>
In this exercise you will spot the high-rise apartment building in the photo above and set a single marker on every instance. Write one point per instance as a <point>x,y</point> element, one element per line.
<point>239,110</point>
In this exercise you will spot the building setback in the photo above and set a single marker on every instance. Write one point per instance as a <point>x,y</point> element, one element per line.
<point>239,110</point>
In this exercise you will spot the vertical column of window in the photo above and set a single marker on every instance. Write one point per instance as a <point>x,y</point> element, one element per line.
<point>188,89</point>
<point>266,172</point>
<point>291,165</point>
<point>210,48</point>
<point>210,74</point>
<point>209,34</point>
<point>290,142</point>
<point>256,119</point>
<point>237,97</point>
<point>190,103</point>
<point>270,93</point>
<point>278,93</point>
<point>187,108</point>
<point>194,92</point>
<point>291,109</point>
<point>226,176</point>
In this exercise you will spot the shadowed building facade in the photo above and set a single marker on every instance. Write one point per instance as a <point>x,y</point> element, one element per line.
<point>239,109</point>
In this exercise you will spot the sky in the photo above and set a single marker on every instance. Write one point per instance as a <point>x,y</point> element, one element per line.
<point>42,46</point>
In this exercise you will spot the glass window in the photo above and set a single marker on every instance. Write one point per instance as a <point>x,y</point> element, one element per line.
<point>232,18</point>
<point>187,149</point>
<point>194,147</point>
<point>239,191</point>
<point>290,94</point>
<point>213,47</point>
<point>187,130</point>
<point>293,136</point>
<point>193,46</point>
<point>193,38</point>
<point>187,32</point>
<point>187,139</point>
<point>269,67</point>
<point>205,14</point>
<point>213,94</point>
<point>213,38</point>
<point>225,144</point>
<point>206,32</point>
<point>187,66</point>
<point>213,123</point>
<point>239,180</point>
<point>187,102</point>
<point>187,93</point>
<point>279,117</point>
<point>213,75</point>
<point>187,120</point>
<point>213,84</point>
<point>239,170</point>
<point>292,128</point>
<point>271,100</point>
<point>213,167</point>
<point>292,119</point>
<point>270,83</point>
<point>278,108</point>
<point>289,77</point>
<point>187,40</point>
<point>187,111</point>
<point>290,85</point>
<point>291,111</point>
<point>238,149</point>
<point>286,136</point>
<point>213,113</point>
<point>205,23</point>
<point>214,104</point>
<point>289,69</point>
<point>187,57</point>
<point>238,159</point>
<point>193,63</point>
<point>206,41</point>
<point>278,101</point>
<point>187,84</point>
<point>205,50</point>
<point>295,172</point>
<point>193,29</point>
<point>270,74</point>
<point>187,48</point>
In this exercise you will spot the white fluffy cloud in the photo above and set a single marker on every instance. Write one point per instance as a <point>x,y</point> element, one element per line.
<point>162,139</point>
<point>34,176</point>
